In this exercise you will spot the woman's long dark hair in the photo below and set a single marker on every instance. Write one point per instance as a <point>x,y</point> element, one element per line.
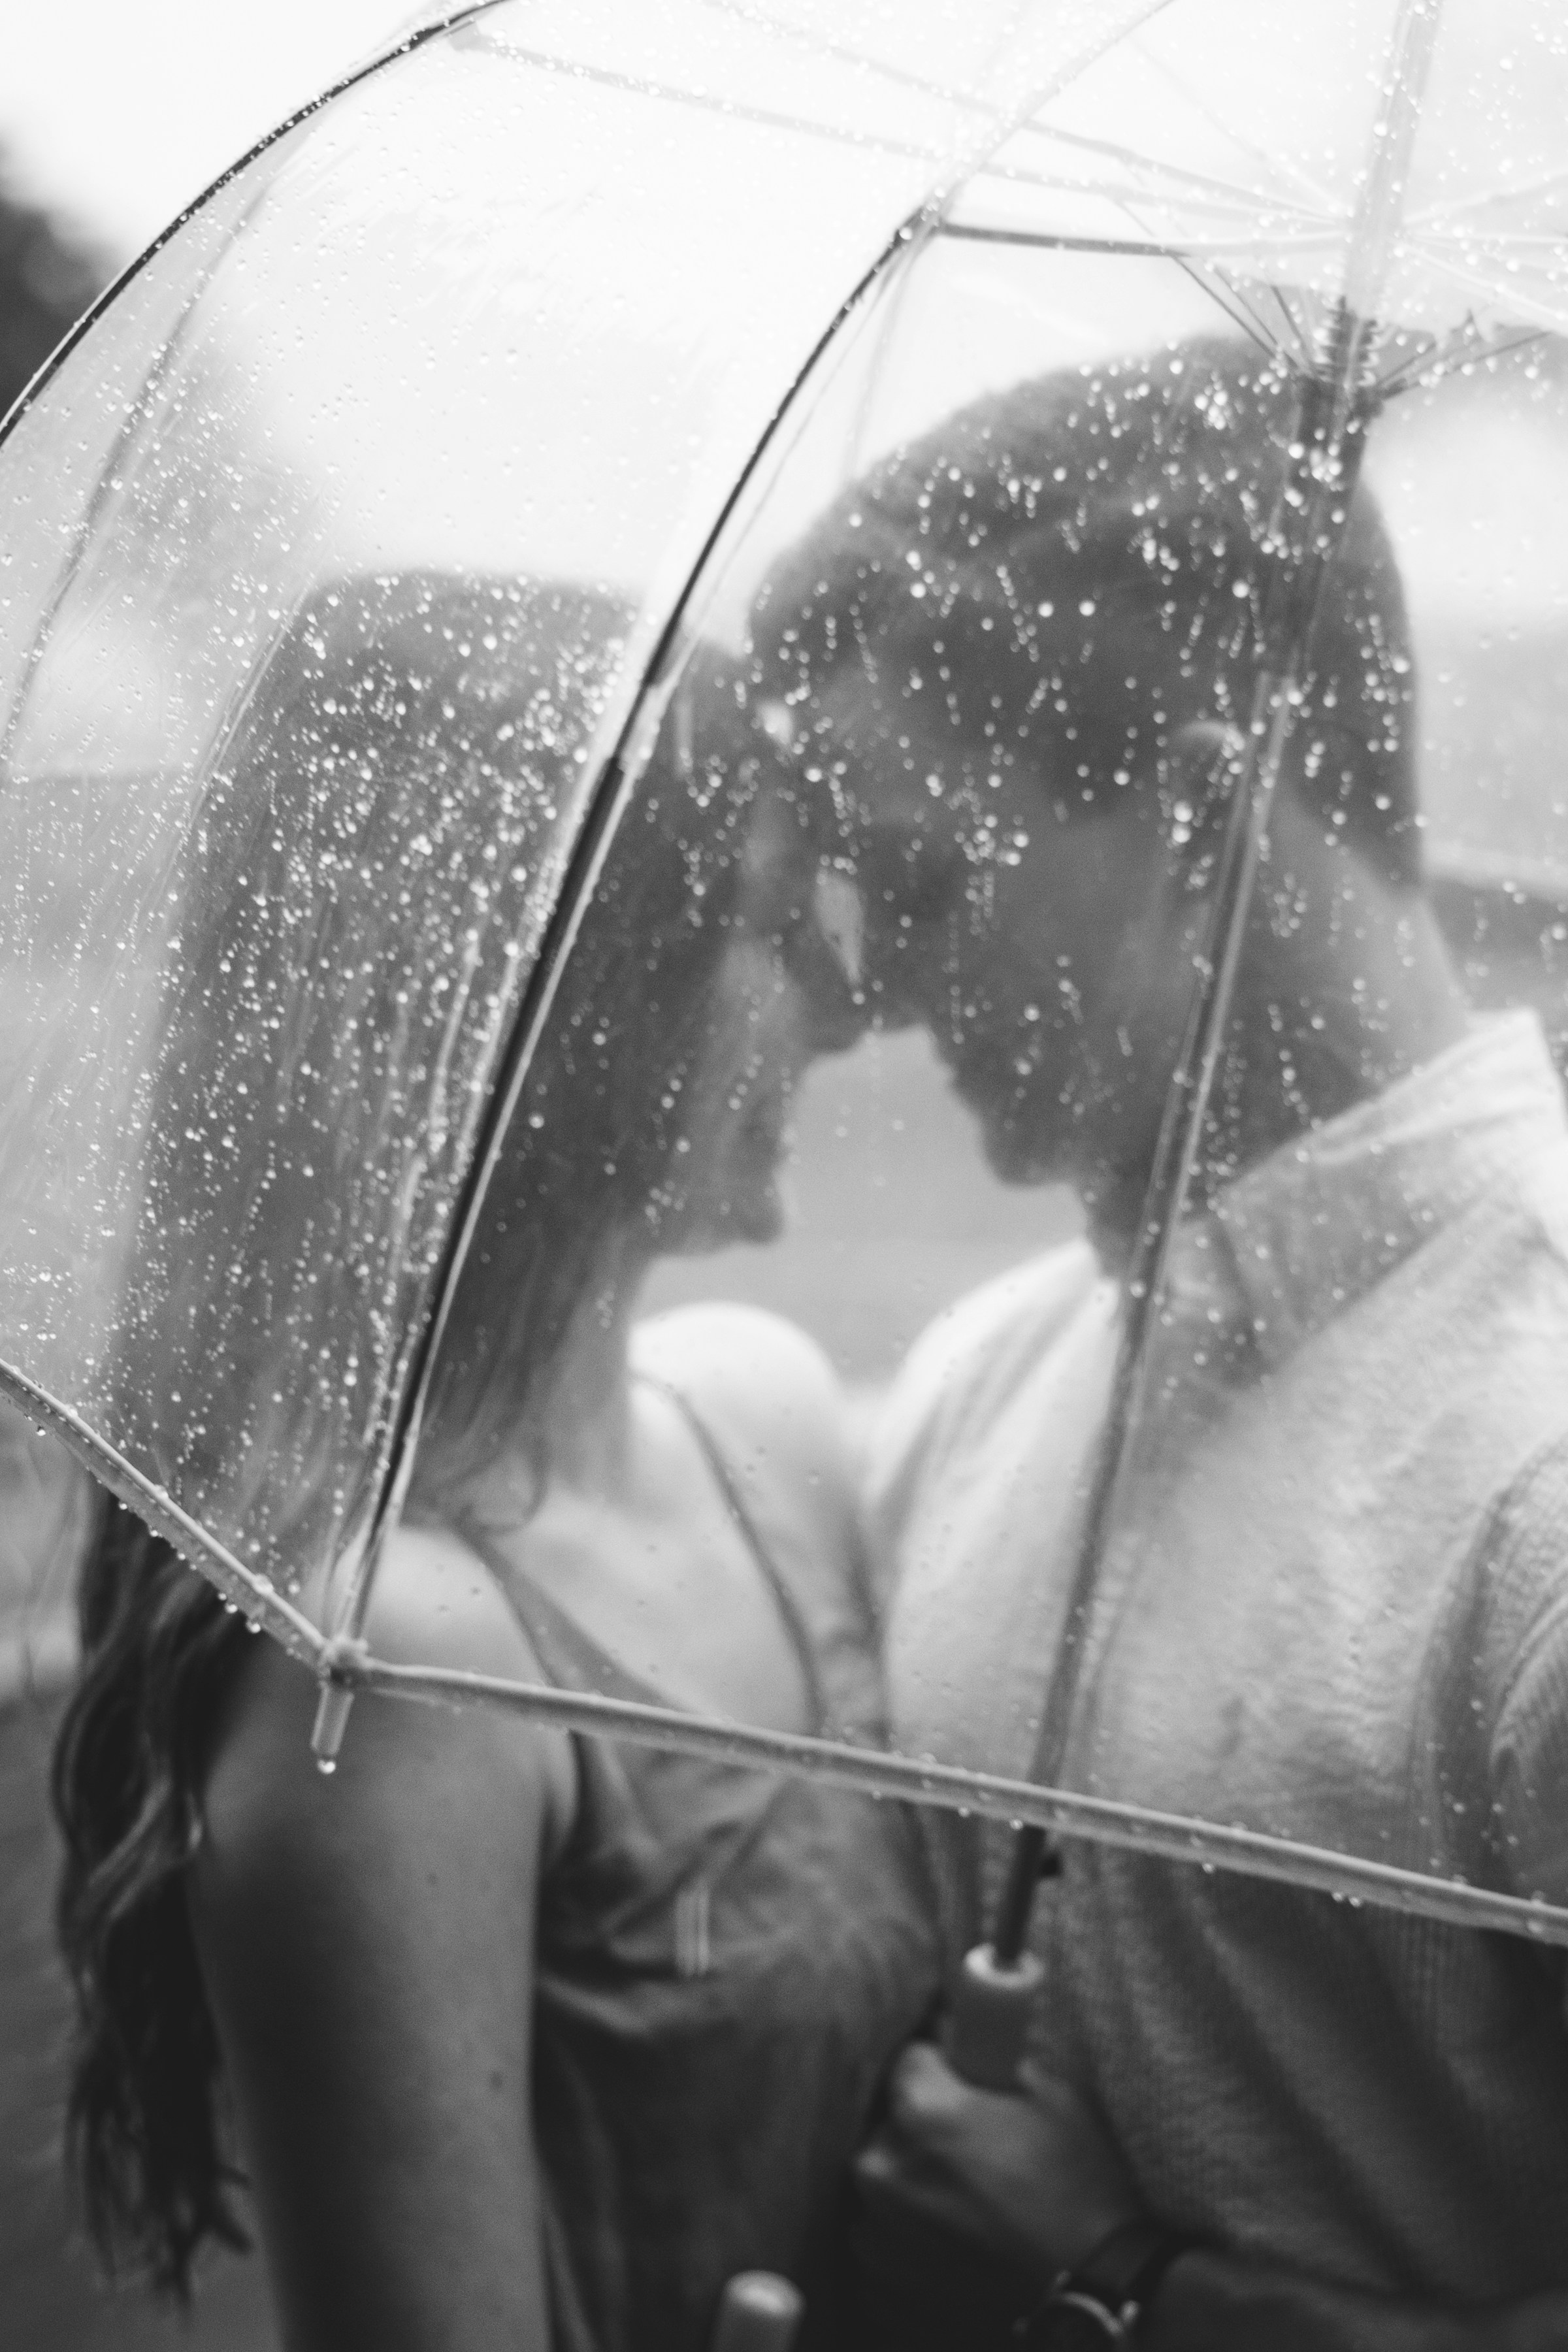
<point>145,2140</point>
<point>603,1115</point>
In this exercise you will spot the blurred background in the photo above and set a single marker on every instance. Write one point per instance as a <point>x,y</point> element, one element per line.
<point>111,121</point>
<point>114,118</point>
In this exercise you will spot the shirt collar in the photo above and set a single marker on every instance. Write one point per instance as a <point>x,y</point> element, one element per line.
<point>1313,1227</point>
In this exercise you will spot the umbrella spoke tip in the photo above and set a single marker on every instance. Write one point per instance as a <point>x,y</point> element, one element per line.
<point>335,1702</point>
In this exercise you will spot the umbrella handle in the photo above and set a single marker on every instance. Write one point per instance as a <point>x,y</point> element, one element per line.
<point>988,2020</point>
<point>758,2312</point>
<point>993,2001</point>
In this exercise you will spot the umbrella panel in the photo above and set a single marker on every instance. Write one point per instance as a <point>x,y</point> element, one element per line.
<point>337,553</point>
<point>869,1024</point>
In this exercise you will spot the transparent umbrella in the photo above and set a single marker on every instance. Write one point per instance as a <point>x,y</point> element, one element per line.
<point>456,529</point>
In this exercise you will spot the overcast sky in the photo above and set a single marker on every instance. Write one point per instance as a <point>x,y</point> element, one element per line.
<point>120,112</point>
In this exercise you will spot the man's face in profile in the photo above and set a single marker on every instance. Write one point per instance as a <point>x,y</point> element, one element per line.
<point>1020,940</point>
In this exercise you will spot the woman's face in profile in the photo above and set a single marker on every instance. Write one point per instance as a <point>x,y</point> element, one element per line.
<point>726,1186</point>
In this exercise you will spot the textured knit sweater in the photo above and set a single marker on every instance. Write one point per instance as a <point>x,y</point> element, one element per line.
<point>1333,1606</point>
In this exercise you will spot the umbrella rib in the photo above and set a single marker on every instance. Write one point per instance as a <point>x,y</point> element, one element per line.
<point>1411,375</point>
<point>640,86</point>
<point>1551,321</point>
<point>896,287</point>
<point>1221,289</point>
<point>256,1595</point>
<point>1240,199</point>
<point>1050,241</point>
<point>1047,241</point>
<point>1207,183</point>
<point>1434,240</point>
<point>1105,1820</point>
<point>1129,191</point>
<point>1432,360</point>
<point>1321,202</point>
<point>901,78</point>
<point>1265,337</point>
<point>1296,328</point>
<point>1515,344</point>
<point>1457,207</point>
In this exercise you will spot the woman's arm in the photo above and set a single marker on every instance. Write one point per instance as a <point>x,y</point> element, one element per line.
<point>368,1944</point>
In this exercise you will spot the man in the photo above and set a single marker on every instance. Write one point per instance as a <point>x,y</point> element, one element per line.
<point>1332,1600</point>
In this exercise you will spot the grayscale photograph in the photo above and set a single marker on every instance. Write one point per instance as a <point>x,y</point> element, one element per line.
<point>783,1176</point>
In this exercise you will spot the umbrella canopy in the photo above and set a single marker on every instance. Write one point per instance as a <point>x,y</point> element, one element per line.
<point>529,623</point>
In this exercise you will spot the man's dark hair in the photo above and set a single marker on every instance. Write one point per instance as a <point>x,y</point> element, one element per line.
<point>1078,565</point>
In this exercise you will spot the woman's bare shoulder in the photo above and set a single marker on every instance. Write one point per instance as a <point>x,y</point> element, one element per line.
<point>435,1603</point>
<point>761,1366</point>
<point>405,1766</point>
<point>367,1945</point>
<point>769,1396</point>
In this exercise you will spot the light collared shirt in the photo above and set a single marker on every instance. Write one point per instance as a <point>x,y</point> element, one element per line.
<point>1333,1605</point>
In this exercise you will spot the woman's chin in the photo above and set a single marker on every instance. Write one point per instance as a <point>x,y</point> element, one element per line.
<point>754,1215</point>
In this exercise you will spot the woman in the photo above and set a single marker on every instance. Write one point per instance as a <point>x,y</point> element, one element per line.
<point>525,2038</point>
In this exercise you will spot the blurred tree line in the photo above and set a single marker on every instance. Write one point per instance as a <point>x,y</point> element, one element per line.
<point>48,275</point>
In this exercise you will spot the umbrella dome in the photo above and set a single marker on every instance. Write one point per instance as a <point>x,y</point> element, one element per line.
<point>406,654</point>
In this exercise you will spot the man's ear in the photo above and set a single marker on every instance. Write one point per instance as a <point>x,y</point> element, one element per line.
<point>1201,768</point>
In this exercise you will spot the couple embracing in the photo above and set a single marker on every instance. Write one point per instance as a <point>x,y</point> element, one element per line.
<point>526,2039</point>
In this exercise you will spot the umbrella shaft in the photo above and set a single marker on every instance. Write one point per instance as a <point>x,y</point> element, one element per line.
<point>1328,440</point>
<point>1377,215</point>
<point>1032,1858</point>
